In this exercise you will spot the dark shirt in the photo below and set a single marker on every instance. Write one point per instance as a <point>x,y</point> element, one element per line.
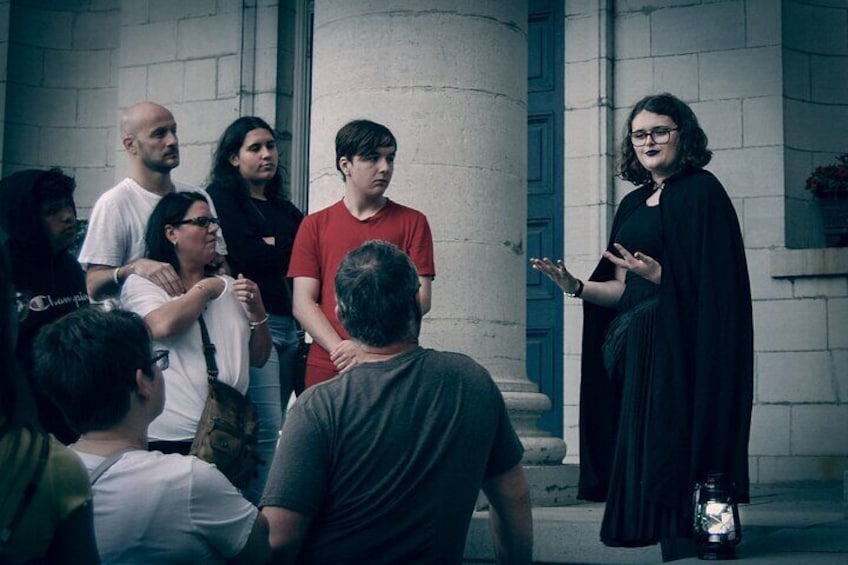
<point>245,222</point>
<point>641,232</point>
<point>50,283</point>
<point>387,459</point>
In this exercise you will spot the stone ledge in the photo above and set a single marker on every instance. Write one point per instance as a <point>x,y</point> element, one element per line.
<point>820,262</point>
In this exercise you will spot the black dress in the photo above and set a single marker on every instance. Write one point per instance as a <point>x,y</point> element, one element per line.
<point>686,410</point>
<point>630,519</point>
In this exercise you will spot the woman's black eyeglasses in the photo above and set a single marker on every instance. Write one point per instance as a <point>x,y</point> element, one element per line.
<point>160,359</point>
<point>200,221</point>
<point>660,135</point>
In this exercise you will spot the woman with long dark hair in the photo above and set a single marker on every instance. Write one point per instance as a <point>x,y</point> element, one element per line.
<point>667,360</point>
<point>260,222</point>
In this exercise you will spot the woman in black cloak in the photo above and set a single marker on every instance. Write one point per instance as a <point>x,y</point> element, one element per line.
<point>667,360</point>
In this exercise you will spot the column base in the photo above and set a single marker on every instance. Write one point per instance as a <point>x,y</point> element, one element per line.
<point>550,485</point>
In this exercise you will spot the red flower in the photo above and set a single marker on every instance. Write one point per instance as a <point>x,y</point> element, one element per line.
<point>830,181</point>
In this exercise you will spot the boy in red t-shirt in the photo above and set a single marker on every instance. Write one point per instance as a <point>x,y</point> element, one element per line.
<point>365,154</point>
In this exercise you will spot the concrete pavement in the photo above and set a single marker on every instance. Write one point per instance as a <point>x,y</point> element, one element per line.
<point>798,523</point>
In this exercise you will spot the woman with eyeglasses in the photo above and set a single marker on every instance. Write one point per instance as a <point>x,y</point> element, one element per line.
<point>181,231</point>
<point>667,359</point>
<point>260,223</point>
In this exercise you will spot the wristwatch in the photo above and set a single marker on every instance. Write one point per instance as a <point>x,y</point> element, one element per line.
<point>578,292</point>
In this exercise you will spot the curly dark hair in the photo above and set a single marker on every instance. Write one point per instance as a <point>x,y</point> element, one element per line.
<point>693,152</point>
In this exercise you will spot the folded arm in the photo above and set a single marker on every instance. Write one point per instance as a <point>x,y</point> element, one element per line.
<point>175,316</point>
<point>102,281</point>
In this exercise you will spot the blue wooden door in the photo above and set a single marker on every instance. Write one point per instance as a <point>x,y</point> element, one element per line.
<point>545,202</point>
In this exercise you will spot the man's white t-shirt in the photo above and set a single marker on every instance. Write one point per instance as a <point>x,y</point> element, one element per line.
<point>186,384</point>
<point>118,223</point>
<point>155,508</point>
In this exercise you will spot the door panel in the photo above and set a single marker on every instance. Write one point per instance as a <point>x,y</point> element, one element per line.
<point>544,202</point>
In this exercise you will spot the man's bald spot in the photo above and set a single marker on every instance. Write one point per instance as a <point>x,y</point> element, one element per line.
<point>134,117</point>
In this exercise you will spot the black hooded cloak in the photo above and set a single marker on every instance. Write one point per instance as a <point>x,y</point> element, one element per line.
<point>702,385</point>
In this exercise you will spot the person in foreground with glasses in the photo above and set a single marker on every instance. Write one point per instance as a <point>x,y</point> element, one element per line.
<point>148,507</point>
<point>667,360</point>
<point>182,232</point>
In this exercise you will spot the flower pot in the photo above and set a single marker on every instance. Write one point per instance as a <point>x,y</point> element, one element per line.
<point>834,213</point>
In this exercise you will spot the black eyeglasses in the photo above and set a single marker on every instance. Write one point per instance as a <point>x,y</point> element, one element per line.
<point>160,359</point>
<point>200,221</point>
<point>660,135</point>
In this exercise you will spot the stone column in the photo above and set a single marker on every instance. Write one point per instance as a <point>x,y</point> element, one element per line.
<point>451,83</point>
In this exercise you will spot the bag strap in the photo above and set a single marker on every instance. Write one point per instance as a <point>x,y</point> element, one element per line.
<point>208,350</point>
<point>108,462</point>
<point>30,489</point>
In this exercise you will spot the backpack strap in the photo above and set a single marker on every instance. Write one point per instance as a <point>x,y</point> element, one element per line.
<point>108,462</point>
<point>30,489</point>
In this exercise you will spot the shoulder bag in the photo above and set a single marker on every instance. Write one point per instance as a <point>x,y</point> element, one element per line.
<point>227,431</point>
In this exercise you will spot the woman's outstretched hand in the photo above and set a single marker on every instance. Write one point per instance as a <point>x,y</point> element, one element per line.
<point>643,265</point>
<point>557,273</point>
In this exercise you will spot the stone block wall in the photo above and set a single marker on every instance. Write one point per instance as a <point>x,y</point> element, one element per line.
<point>198,59</point>
<point>728,60</point>
<point>815,64</point>
<point>73,65</point>
<point>60,90</point>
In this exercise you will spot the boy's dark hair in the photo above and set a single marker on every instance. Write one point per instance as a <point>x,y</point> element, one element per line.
<point>170,211</point>
<point>87,361</point>
<point>361,138</point>
<point>692,152</point>
<point>377,294</point>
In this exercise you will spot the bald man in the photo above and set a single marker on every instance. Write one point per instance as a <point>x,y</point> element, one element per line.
<point>114,244</point>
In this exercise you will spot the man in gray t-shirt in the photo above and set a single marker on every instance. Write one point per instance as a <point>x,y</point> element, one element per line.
<point>383,463</point>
